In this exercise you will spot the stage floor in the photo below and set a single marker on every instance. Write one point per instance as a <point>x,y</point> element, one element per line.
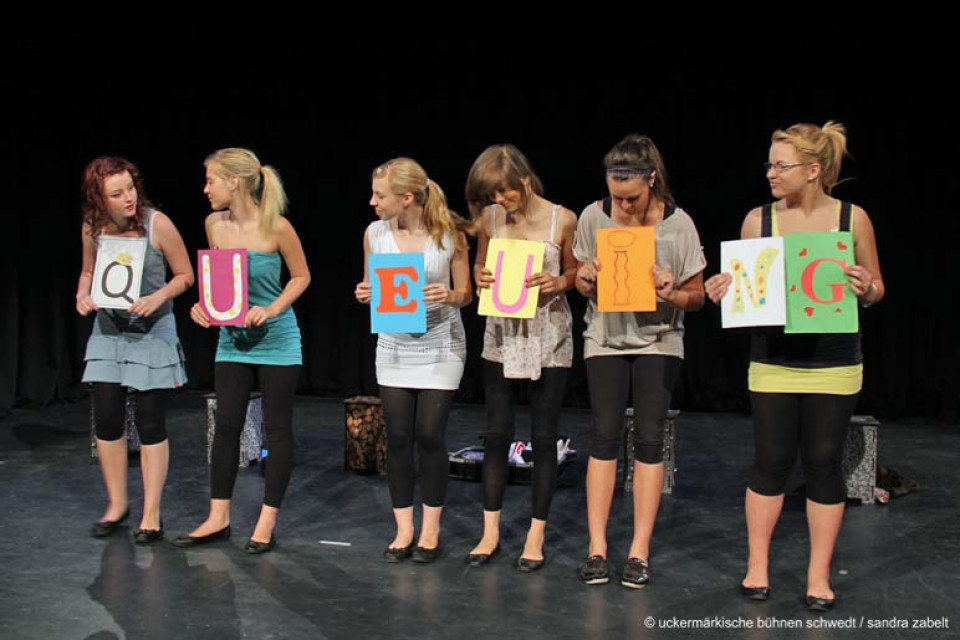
<point>895,565</point>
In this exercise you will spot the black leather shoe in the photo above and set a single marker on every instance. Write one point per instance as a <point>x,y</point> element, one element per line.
<point>397,554</point>
<point>819,605</point>
<point>754,593</point>
<point>526,566</point>
<point>104,528</point>
<point>636,573</point>
<point>256,548</point>
<point>593,570</point>
<point>146,536</point>
<point>480,559</point>
<point>193,541</point>
<point>421,554</point>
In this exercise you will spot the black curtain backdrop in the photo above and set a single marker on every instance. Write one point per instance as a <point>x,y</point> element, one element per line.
<point>325,110</point>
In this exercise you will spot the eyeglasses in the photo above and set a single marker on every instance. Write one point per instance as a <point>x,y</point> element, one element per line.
<point>780,167</point>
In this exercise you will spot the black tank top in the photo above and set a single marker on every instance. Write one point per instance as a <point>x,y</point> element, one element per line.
<point>770,345</point>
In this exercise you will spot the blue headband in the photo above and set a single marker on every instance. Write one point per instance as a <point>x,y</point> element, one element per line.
<point>629,171</point>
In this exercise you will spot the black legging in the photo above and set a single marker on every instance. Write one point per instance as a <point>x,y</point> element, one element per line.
<point>110,410</point>
<point>546,396</point>
<point>233,383</point>
<point>814,423</point>
<point>610,379</point>
<point>416,415</point>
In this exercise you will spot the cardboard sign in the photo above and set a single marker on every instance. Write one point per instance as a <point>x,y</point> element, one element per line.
<point>118,271</point>
<point>625,280</point>
<point>819,298</point>
<point>396,293</point>
<point>223,285</point>
<point>756,296</point>
<point>512,262</point>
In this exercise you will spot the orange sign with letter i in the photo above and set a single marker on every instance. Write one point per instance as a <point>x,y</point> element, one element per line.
<point>625,279</point>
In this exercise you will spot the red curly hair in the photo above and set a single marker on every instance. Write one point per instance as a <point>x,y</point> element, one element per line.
<point>94,208</point>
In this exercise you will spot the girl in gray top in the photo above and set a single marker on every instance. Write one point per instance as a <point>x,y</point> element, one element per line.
<point>135,348</point>
<point>641,351</point>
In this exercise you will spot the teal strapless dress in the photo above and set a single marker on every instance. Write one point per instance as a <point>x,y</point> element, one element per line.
<point>276,341</point>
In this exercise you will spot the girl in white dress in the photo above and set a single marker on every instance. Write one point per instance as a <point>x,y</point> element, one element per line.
<point>419,374</point>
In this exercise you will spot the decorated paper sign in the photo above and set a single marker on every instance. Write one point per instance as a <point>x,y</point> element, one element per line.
<point>625,280</point>
<point>118,271</point>
<point>223,285</point>
<point>819,299</point>
<point>396,293</point>
<point>512,262</point>
<point>756,296</point>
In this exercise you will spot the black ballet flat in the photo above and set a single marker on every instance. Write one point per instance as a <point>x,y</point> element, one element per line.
<point>754,593</point>
<point>819,605</point>
<point>480,559</point>
<point>256,548</point>
<point>397,554</point>
<point>526,566</point>
<point>148,536</point>
<point>193,541</point>
<point>424,555</point>
<point>104,528</point>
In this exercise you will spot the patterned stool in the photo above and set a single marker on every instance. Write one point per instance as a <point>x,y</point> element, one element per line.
<point>860,458</point>
<point>251,438</point>
<point>364,436</point>
<point>129,425</point>
<point>669,450</point>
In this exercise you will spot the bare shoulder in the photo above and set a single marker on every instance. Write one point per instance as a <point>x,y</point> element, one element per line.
<point>752,223</point>
<point>754,215</point>
<point>861,226</point>
<point>568,219</point>
<point>162,228</point>
<point>285,230</point>
<point>216,218</point>
<point>162,222</point>
<point>859,215</point>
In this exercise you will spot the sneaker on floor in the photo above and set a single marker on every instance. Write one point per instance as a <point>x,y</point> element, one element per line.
<point>636,574</point>
<point>593,570</point>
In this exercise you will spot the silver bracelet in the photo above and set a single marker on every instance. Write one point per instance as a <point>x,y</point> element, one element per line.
<point>876,292</point>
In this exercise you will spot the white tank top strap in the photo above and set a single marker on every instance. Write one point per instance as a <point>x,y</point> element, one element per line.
<point>553,223</point>
<point>379,236</point>
<point>493,221</point>
<point>148,227</point>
